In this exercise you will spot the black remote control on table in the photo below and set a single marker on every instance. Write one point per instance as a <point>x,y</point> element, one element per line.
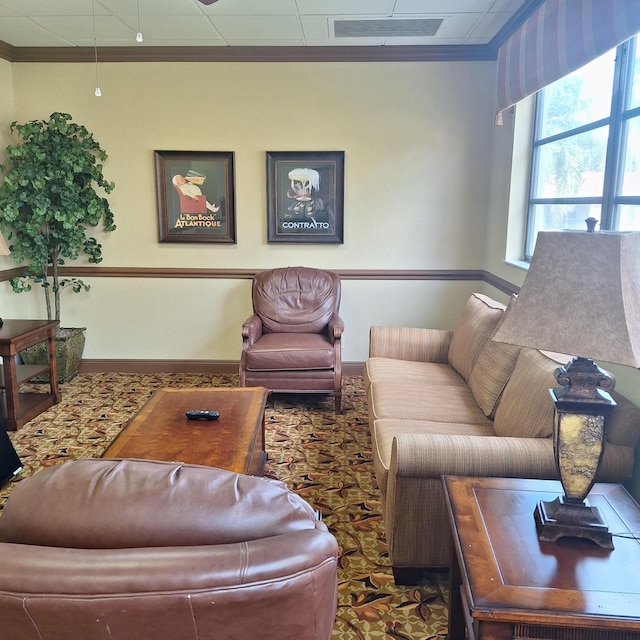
<point>203,415</point>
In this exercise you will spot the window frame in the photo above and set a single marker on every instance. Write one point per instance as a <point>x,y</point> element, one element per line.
<point>618,122</point>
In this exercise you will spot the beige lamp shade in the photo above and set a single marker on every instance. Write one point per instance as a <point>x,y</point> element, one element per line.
<point>581,297</point>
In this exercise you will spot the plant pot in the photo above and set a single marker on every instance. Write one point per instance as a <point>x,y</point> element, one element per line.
<point>69,348</point>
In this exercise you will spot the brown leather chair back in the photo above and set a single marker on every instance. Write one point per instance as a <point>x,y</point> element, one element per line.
<point>296,299</point>
<point>142,549</point>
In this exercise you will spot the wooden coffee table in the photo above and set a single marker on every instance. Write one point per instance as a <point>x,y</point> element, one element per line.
<point>505,583</point>
<point>161,431</point>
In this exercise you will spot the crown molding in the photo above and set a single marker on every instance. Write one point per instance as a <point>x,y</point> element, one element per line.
<point>426,53</point>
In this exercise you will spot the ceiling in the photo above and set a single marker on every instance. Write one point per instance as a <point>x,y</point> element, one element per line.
<point>28,24</point>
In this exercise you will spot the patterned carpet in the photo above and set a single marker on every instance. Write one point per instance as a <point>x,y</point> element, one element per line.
<point>323,457</point>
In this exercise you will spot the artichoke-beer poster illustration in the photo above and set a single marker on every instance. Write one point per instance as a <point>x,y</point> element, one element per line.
<point>305,194</point>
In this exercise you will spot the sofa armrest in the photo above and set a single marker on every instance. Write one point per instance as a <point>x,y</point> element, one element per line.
<point>434,455</point>
<point>251,330</point>
<point>410,343</point>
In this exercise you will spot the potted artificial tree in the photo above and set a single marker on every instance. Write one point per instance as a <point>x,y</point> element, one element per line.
<point>52,194</point>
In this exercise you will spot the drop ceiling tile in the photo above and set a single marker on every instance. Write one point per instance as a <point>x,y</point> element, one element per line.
<point>250,8</point>
<point>346,42</point>
<point>73,27</point>
<point>489,25</point>
<point>316,28</point>
<point>345,7</point>
<point>54,7</point>
<point>442,6</point>
<point>6,12</point>
<point>258,27</point>
<point>153,7</point>
<point>178,28</point>
<point>172,42</point>
<point>510,6</point>
<point>458,25</point>
<point>266,43</point>
<point>24,32</point>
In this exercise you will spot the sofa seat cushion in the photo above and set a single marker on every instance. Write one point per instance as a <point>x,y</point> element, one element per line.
<point>290,351</point>
<point>431,403</point>
<point>385,430</point>
<point>477,321</point>
<point>401,372</point>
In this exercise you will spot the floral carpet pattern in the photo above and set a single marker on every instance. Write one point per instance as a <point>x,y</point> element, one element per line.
<point>323,457</point>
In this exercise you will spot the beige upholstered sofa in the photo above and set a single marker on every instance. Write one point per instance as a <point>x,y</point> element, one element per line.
<point>458,403</point>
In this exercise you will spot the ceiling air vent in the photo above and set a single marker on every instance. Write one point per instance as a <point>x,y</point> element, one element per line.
<point>386,28</point>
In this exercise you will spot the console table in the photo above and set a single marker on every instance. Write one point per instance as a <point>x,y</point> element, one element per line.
<point>506,584</point>
<point>15,335</point>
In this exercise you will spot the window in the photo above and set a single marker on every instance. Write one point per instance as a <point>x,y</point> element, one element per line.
<point>586,148</point>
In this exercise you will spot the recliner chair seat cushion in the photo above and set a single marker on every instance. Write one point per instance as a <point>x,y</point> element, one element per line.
<point>291,352</point>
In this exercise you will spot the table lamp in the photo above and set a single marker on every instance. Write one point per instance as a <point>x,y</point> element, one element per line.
<point>581,296</point>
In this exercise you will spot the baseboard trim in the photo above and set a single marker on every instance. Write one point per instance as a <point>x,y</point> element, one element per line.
<point>181,366</point>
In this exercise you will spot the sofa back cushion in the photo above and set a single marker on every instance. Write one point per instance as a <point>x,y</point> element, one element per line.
<point>476,323</point>
<point>526,409</point>
<point>492,370</point>
<point>623,425</point>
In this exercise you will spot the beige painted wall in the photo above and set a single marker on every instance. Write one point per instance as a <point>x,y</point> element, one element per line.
<point>417,140</point>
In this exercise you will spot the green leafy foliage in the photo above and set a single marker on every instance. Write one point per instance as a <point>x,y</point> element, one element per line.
<point>51,197</point>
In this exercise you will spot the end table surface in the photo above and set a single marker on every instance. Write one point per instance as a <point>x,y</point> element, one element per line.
<point>509,576</point>
<point>161,430</point>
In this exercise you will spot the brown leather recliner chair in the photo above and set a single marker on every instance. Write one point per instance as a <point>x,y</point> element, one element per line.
<point>292,341</point>
<point>134,549</point>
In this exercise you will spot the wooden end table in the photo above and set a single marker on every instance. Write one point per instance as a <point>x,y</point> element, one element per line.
<point>506,584</point>
<point>161,431</point>
<point>15,335</point>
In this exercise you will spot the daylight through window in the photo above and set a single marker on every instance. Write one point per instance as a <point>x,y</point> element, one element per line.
<point>586,148</point>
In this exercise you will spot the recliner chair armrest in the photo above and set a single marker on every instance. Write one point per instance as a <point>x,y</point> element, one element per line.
<point>434,455</point>
<point>251,330</point>
<point>336,327</point>
<point>410,343</point>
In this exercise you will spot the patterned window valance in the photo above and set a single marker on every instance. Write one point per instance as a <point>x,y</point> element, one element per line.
<point>558,38</point>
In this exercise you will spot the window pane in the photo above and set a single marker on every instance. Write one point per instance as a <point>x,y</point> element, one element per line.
<point>572,167</point>
<point>629,217</point>
<point>582,97</point>
<point>631,160</point>
<point>557,217</point>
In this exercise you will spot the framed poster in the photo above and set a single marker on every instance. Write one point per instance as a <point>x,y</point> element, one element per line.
<point>196,201</point>
<point>305,196</point>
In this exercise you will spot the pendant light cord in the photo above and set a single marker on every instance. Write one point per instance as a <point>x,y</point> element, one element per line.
<point>95,47</point>
<point>139,34</point>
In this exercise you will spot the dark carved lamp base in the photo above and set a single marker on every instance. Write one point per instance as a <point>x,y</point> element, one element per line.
<point>578,519</point>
